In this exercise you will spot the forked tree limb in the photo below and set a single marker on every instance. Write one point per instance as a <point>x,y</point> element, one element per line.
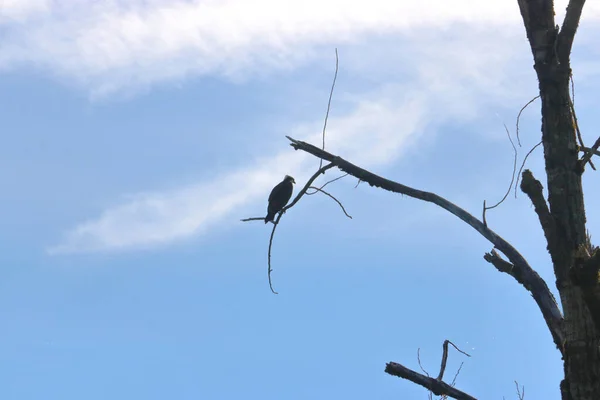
<point>538,18</point>
<point>528,277</point>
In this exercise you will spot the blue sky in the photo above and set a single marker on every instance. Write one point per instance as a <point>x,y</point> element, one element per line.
<point>136,134</point>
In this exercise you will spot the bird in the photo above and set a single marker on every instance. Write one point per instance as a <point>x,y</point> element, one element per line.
<point>279,197</point>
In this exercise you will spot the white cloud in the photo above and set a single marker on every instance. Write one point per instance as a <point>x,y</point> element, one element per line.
<point>110,44</point>
<point>368,135</point>
<point>447,61</point>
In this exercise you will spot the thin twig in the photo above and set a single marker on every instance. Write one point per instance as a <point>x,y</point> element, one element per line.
<point>331,196</point>
<point>519,116</point>
<point>520,392</point>
<point>329,102</point>
<point>456,375</point>
<point>512,180</point>
<point>327,183</point>
<point>253,219</point>
<point>269,254</point>
<point>419,361</point>
<point>587,156</point>
<point>580,138</point>
<point>523,166</point>
<point>588,150</point>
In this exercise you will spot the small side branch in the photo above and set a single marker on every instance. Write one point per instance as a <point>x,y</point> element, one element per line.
<point>438,388</point>
<point>253,219</point>
<point>531,279</point>
<point>445,357</point>
<point>512,180</point>
<point>519,116</point>
<point>588,150</point>
<point>332,197</point>
<point>534,190</point>
<point>588,155</point>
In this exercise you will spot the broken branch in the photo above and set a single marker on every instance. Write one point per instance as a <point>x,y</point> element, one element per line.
<point>531,280</point>
<point>439,388</point>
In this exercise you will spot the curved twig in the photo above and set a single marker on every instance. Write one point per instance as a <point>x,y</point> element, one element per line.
<point>280,214</point>
<point>512,180</point>
<point>327,183</point>
<point>519,116</point>
<point>331,196</point>
<point>523,165</point>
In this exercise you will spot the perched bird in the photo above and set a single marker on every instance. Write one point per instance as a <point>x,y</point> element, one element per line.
<point>279,197</point>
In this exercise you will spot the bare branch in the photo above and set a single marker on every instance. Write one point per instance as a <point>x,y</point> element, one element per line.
<point>512,180</point>
<point>332,197</point>
<point>437,387</point>
<point>569,27</point>
<point>534,190</point>
<point>579,137</point>
<point>419,361</point>
<point>445,357</point>
<point>531,280</point>
<point>327,183</point>
<point>456,374</point>
<point>588,150</point>
<point>520,392</point>
<point>276,222</point>
<point>253,219</point>
<point>523,165</point>
<point>588,155</point>
<point>329,102</point>
<point>519,116</point>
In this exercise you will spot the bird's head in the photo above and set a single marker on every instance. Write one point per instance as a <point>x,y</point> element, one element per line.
<point>289,178</point>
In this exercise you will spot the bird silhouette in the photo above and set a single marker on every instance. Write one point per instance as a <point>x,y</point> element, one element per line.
<point>279,197</point>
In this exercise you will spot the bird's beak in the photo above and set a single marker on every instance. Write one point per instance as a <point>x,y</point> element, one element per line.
<point>293,181</point>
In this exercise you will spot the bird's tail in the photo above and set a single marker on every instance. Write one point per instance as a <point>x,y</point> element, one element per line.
<point>269,217</point>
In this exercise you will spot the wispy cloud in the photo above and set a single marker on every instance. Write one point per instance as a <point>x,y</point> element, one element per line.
<point>116,44</point>
<point>369,135</point>
<point>437,69</point>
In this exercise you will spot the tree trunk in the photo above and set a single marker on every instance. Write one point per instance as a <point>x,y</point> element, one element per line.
<point>565,195</point>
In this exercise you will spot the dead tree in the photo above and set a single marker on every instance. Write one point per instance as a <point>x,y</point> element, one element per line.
<point>575,330</point>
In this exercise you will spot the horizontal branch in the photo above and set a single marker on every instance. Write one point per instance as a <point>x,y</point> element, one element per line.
<point>588,154</point>
<point>438,388</point>
<point>589,150</point>
<point>530,279</point>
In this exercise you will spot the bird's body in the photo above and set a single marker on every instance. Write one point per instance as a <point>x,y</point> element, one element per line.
<point>279,197</point>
